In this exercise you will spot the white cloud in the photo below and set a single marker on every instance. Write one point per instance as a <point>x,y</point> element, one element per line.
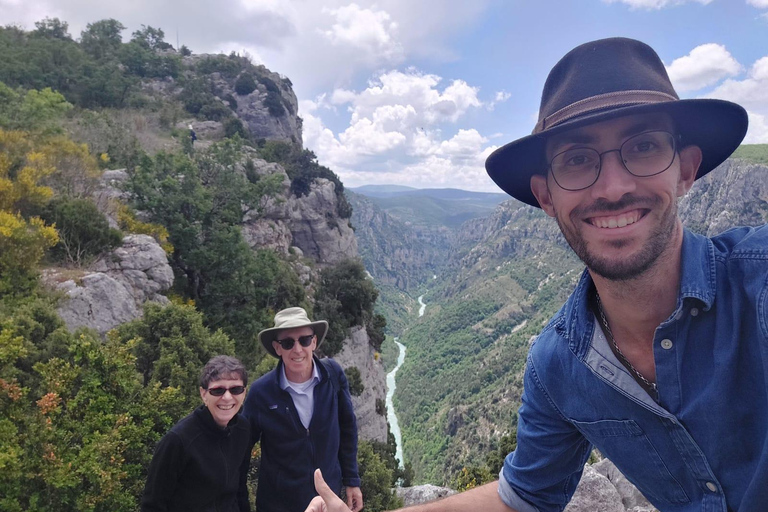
<point>760,4</point>
<point>656,4</point>
<point>373,32</point>
<point>758,129</point>
<point>704,66</point>
<point>752,94</point>
<point>396,133</point>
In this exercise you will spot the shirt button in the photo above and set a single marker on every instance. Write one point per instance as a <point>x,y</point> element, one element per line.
<point>694,311</point>
<point>711,486</point>
<point>666,344</point>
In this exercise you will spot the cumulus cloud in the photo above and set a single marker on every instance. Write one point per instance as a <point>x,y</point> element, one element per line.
<point>372,31</point>
<point>402,129</point>
<point>752,94</point>
<point>704,66</point>
<point>656,4</point>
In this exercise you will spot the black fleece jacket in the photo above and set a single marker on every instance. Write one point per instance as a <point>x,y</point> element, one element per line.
<point>199,467</point>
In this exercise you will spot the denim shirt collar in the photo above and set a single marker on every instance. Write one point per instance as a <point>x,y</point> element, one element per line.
<point>575,322</point>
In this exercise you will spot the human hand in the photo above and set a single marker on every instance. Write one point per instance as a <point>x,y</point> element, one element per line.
<point>354,499</point>
<point>327,501</point>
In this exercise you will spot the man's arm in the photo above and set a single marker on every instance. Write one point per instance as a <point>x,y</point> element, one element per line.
<point>347,434</point>
<point>485,498</point>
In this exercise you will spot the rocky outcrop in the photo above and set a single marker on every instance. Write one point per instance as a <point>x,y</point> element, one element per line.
<point>257,110</point>
<point>359,353</point>
<point>602,488</point>
<point>113,290</point>
<point>308,225</point>
<point>422,494</point>
<point>734,194</point>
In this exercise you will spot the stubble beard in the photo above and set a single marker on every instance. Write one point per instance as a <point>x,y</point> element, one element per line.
<point>633,266</point>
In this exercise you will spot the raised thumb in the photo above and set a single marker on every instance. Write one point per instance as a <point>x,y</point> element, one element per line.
<point>322,488</point>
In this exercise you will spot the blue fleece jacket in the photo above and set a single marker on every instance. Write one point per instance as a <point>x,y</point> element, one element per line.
<point>289,452</point>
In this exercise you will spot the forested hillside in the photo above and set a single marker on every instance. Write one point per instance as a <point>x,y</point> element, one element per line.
<point>96,161</point>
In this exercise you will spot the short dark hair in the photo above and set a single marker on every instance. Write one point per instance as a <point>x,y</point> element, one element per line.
<point>221,367</point>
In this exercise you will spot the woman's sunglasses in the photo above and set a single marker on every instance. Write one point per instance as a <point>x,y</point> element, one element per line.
<point>304,341</point>
<point>234,390</point>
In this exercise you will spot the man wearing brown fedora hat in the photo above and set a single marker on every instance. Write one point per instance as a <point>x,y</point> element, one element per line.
<point>302,413</point>
<point>659,358</point>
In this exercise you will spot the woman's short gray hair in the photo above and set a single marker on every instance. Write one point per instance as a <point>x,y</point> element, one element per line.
<point>223,367</point>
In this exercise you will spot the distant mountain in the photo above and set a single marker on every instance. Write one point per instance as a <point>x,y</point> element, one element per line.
<point>431,207</point>
<point>381,190</point>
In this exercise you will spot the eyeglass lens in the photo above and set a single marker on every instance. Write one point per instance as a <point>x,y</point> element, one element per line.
<point>234,390</point>
<point>304,341</point>
<point>642,155</point>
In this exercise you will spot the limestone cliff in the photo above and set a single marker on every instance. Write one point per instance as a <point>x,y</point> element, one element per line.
<point>359,353</point>
<point>395,252</point>
<point>113,289</point>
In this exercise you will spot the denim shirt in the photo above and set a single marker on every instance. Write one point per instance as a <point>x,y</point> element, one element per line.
<point>704,445</point>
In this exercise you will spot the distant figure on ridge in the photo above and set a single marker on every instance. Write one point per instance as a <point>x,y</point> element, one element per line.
<point>302,413</point>
<point>192,134</point>
<point>659,358</point>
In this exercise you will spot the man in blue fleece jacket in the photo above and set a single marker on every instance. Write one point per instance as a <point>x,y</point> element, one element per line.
<point>302,413</point>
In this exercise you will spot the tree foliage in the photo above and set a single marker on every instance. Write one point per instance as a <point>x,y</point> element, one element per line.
<point>84,232</point>
<point>302,167</point>
<point>202,201</point>
<point>344,297</point>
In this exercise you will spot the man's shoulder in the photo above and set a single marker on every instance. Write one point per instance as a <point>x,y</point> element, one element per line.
<point>742,241</point>
<point>267,383</point>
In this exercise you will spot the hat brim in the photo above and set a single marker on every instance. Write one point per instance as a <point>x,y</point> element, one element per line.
<point>267,336</point>
<point>715,126</point>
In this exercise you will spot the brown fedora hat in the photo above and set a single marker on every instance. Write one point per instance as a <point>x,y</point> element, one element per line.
<point>603,80</point>
<point>290,318</point>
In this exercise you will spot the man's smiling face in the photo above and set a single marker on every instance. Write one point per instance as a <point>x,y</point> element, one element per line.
<point>622,224</point>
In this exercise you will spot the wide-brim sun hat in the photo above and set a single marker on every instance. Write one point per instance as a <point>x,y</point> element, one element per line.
<point>603,80</point>
<point>291,318</point>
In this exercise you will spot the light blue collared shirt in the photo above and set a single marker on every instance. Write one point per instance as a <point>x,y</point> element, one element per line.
<point>302,394</point>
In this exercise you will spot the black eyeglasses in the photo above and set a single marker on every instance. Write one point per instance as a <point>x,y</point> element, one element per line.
<point>642,155</point>
<point>304,341</point>
<point>234,390</point>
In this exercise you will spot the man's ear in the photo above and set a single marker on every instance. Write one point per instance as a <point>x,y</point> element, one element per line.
<point>690,161</point>
<point>277,347</point>
<point>540,189</point>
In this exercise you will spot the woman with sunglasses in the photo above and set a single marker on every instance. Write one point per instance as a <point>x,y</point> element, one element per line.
<point>201,464</point>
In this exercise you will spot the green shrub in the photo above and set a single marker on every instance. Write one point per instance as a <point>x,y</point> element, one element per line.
<point>245,84</point>
<point>355,381</point>
<point>376,480</point>
<point>214,111</point>
<point>84,232</point>
<point>345,297</point>
<point>234,126</point>
<point>274,103</point>
<point>227,66</point>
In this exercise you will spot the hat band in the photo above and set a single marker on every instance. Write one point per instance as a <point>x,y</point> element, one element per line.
<point>601,102</point>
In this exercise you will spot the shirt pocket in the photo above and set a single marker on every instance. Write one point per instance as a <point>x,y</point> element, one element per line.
<point>628,447</point>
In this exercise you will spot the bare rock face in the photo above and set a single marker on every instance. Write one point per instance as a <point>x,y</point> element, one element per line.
<point>113,290</point>
<point>595,493</point>
<point>308,225</point>
<point>631,498</point>
<point>422,494</point>
<point>359,353</point>
<point>734,194</point>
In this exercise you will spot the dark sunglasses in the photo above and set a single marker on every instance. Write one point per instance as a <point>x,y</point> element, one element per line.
<point>234,390</point>
<point>304,341</point>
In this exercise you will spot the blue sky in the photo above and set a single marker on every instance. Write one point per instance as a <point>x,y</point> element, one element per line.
<point>419,92</point>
